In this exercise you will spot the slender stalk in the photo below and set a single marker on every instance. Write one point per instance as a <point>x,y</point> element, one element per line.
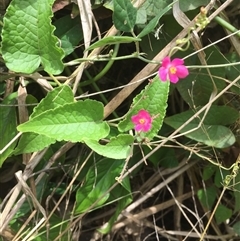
<point>226,25</point>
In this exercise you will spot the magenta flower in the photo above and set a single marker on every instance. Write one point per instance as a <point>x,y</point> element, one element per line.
<point>142,121</point>
<point>172,70</point>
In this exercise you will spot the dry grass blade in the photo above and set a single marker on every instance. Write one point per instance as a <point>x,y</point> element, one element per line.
<point>149,211</point>
<point>86,19</point>
<point>9,211</point>
<point>28,192</point>
<point>158,187</point>
<point>228,178</point>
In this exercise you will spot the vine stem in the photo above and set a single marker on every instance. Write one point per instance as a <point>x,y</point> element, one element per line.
<point>105,69</point>
<point>226,25</point>
<point>212,66</point>
<point>102,58</point>
<point>55,79</point>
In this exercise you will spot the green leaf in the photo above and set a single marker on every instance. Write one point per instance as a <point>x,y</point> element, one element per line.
<point>99,179</point>
<point>165,157</point>
<point>207,196</point>
<point>124,15</point>
<point>112,40</point>
<point>58,225</point>
<point>221,115</point>
<point>208,171</point>
<point>153,23</point>
<point>236,228</point>
<point>187,5</point>
<point>197,88</point>
<point>212,132</point>
<point>232,72</point>
<point>31,102</point>
<point>55,98</point>
<point>108,4</point>
<point>69,32</point>
<point>153,7</point>
<point>152,99</point>
<point>117,148</point>
<point>222,213</point>
<point>124,196</point>
<point>27,37</point>
<point>30,142</point>
<point>72,122</point>
<point>141,16</point>
<point>8,125</point>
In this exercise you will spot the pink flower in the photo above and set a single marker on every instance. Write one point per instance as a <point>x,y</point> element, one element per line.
<point>142,121</point>
<point>172,70</point>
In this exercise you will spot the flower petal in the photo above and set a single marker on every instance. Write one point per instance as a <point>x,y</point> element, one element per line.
<point>166,61</point>
<point>146,128</point>
<point>177,62</point>
<point>172,70</point>
<point>143,114</point>
<point>173,78</point>
<point>182,71</point>
<point>138,127</point>
<point>142,121</point>
<point>135,119</point>
<point>163,73</point>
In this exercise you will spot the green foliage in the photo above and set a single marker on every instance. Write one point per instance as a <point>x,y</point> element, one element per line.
<point>97,183</point>
<point>207,196</point>
<point>141,16</point>
<point>232,72</point>
<point>165,157</point>
<point>117,148</point>
<point>30,141</point>
<point>124,15</point>
<point>73,122</point>
<point>208,171</point>
<point>236,228</point>
<point>187,5</point>
<point>154,99</point>
<point>203,86</point>
<point>153,23</point>
<point>8,124</point>
<point>112,40</point>
<point>56,98</point>
<point>57,227</point>
<point>27,37</point>
<point>105,151</point>
<point>222,213</point>
<point>123,191</point>
<point>69,32</point>
<point>212,132</point>
<point>153,7</point>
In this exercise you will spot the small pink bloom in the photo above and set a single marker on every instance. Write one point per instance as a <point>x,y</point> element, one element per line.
<point>172,70</point>
<point>142,121</point>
